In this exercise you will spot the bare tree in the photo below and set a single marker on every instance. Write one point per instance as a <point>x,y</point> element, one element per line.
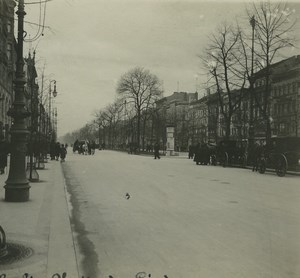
<point>108,119</point>
<point>142,89</point>
<point>221,60</point>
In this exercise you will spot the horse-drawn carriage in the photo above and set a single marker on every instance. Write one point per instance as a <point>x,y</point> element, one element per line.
<point>232,153</point>
<point>81,146</point>
<point>205,154</point>
<point>282,155</point>
<point>225,153</point>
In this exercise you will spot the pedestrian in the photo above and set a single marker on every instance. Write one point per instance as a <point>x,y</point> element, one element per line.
<point>52,150</point>
<point>197,153</point>
<point>156,151</point>
<point>63,153</point>
<point>191,152</point>
<point>3,155</point>
<point>93,147</point>
<point>57,150</point>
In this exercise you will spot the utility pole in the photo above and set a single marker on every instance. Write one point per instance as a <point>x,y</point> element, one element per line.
<point>251,118</point>
<point>17,185</point>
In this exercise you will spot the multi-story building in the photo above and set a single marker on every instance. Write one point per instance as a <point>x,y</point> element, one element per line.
<point>198,121</point>
<point>283,100</point>
<point>7,62</point>
<point>174,109</point>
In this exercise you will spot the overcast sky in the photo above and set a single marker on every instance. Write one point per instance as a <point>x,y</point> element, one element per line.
<point>91,43</point>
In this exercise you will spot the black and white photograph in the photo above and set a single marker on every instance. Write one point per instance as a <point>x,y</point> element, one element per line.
<point>149,139</point>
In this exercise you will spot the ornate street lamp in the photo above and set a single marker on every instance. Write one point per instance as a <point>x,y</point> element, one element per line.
<point>54,93</point>
<point>17,185</point>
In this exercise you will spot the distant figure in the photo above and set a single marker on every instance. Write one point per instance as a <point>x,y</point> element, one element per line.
<point>93,147</point>
<point>52,150</point>
<point>3,156</point>
<point>191,152</point>
<point>76,146</point>
<point>57,150</point>
<point>156,151</point>
<point>63,153</point>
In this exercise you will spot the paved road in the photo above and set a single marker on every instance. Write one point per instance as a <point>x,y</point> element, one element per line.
<point>181,220</point>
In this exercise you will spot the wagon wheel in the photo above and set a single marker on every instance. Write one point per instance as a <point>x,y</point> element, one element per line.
<point>225,159</point>
<point>281,165</point>
<point>261,166</point>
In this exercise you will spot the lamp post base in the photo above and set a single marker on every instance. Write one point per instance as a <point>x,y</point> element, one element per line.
<point>18,193</point>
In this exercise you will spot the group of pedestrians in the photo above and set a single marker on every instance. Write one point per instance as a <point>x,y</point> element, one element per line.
<point>85,147</point>
<point>57,151</point>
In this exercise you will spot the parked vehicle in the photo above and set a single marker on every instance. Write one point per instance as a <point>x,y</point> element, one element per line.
<point>232,153</point>
<point>282,155</point>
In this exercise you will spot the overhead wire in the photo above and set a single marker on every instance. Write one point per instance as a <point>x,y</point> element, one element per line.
<point>41,27</point>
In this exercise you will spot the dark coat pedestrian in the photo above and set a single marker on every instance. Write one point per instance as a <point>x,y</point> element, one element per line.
<point>156,151</point>
<point>52,150</point>
<point>57,150</point>
<point>191,152</point>
<point>63,153</point>
<point>76,146</point>
<point>197,153</point>
<point>93,147</point>
<point>4,150</point>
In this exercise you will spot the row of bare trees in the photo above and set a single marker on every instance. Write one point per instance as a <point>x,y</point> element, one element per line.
<point>236,52</point>
<point>126,120</point>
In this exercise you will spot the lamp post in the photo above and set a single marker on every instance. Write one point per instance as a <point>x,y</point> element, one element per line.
<point>251,118</point>
<point>54,93</point>
<point>17,185</point>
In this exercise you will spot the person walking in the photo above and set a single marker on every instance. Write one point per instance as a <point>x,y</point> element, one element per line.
<point>52,150</point>
<point>3,156</point>
<point>191,152</point>
<point>63,153</point>
<point>57,150</point>
<point>156,151</point>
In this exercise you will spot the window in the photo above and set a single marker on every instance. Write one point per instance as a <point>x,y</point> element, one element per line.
<point>289,88</point>
<point>9,49</point>
<point>275,92</point>
<point>284,89</point>
<point>281,127</point>
<point>9,26</point>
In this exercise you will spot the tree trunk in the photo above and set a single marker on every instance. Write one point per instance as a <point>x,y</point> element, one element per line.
<point>138,129</point>
<point>227,128</point>
<point>268,132</point>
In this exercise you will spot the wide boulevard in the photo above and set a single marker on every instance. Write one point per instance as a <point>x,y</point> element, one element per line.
<point>134,216</point>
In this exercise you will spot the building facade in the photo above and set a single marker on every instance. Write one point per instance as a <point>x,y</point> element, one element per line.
<point>7,63</point>
<point>174,109</point>
<point>201,120</point>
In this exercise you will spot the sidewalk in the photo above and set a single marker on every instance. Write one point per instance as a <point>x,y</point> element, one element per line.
<point>39,228</point>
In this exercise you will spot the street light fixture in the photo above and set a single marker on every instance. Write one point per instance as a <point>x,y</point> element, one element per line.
<point>17,185</point>
<point>54,93</point>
